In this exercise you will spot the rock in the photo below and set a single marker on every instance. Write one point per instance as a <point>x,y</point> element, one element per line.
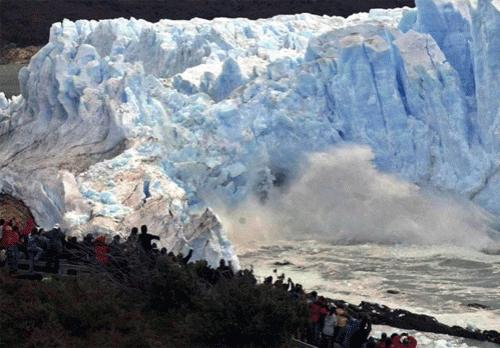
<point>493,336</point>
<point>393,292</point>
<point>477,306</point>
<point>18,55</point>
<point>403,319</point>
<point>283,263</point>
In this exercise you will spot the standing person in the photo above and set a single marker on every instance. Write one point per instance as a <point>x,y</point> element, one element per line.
<point>371,343</point>
<point>145,239</point>
<point>116,245</point>
<point>404,341</point>
<point>133,238</point>
<point>34,247</point>
<point>55,247</point>
<point>2,222</point>
<point>101,250</point>
<point>10,241</point>
<point>382,340</point>
<point>352,327</point>
<point>24,234</point>
<point>2,253</point>
<point>28,228</point>
<point>329,329</point>
<point>317,311</point>
<point>342,321</point>
<point>360,335</point>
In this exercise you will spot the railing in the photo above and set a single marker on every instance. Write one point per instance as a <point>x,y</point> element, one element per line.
<point>300,344</point>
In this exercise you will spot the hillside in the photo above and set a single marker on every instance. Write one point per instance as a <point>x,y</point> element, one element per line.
<point>27,22</point>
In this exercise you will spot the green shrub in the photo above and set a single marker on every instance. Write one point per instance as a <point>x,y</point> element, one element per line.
<point>172,305</point>
<point>238,313</point>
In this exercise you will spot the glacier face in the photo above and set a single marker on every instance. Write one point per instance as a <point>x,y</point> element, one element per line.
<point>122,121</point>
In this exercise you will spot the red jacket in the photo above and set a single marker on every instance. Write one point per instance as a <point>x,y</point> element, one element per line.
<point>317,310</point>
<point>27,229</point>
<point>10,237</point>
<point>101,250</point>
<point>412,342</point>
<point>396,342</point>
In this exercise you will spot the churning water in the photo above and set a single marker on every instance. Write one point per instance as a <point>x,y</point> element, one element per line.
<point>434,280</point>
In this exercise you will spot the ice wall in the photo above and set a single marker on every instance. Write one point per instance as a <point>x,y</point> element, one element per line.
<point>122,121</point>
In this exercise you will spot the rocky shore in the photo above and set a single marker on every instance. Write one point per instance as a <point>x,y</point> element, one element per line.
<point>406,320</point>
<point>10,54</point>
<point>12,59</point>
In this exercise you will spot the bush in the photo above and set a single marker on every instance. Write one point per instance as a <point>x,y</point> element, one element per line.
<point>238,313</point>
<point>74,312</point>
<point>173,305</point>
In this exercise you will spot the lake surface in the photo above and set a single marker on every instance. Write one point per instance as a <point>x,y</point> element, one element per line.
<point>434,280</point>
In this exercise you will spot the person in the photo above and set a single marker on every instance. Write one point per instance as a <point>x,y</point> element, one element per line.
<point>28,228</point>
<point>171,257</point>
<point>2,222</point>
<point>163,251</point>
<point>317,310</point>
<point>115,245</point>
<point>382,340</point>
<point>388,343</point>
<point>145,239</point>
<point>328,328</point>
<point>56,240</point>
<point>312,297</point>
<point>133,238</point>
<point>352,326</point>
<point>342,321</point>
<point>101,250</point>
<point>186,259</point>
<point>22,246</point>
<point>409,341</point>
<point>154,248</point>
<point>403,341</point>
<point>371,343</point>
<point>223,269</point>
<point>34,247</point>
<point>74,250</point>
<point>88,247</point>
<point>360,335</point>
<point>10,241</point>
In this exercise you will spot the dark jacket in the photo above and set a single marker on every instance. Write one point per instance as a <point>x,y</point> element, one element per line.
<point>145,241</point>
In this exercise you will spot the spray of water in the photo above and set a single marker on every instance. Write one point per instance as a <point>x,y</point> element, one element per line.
<point>342,197</point>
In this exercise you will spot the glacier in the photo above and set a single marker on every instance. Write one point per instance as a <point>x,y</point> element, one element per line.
<point>122,122</point>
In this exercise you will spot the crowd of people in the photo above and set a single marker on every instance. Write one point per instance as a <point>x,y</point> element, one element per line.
<point>35,244</point>
<point>330,325</point>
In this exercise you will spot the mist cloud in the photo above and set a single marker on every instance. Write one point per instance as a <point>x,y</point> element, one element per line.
<point>342,197</point>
